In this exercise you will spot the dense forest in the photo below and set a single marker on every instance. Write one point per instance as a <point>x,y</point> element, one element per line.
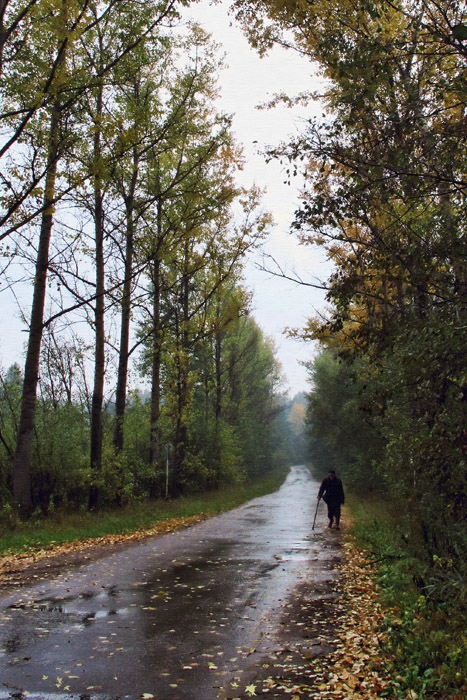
<point>385,196</point>
<point>121,212</point>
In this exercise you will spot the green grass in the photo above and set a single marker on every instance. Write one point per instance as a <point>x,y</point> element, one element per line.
<point>62,527</point>
<point>426,637</point>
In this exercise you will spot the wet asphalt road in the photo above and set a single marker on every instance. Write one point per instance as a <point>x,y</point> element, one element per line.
<point>177,616</point>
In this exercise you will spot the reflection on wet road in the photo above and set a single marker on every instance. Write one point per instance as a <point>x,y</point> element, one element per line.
<point>174,617</point>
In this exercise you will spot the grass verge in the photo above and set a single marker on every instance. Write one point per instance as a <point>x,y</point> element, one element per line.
<point>425,637</point>
<point>62,527</point>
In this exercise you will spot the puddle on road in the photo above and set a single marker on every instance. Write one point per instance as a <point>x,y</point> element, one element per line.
<point>184,592</point>
<point>16,694</point>
<point>188,618</point>
<point>255,520</point>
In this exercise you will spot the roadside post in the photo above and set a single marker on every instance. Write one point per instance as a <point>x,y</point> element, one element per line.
<point>167,460</point>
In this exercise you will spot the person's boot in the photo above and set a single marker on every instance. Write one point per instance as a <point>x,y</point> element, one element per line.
<point>337,524</point>
<point>330,522</point>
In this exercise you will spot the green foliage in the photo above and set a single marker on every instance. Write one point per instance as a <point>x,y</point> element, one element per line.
<point>220,408</point>
<point>426,635</point>
<point>60,468</point>
<point>67,526</point>
<point>10,400</point>
<point>385,197</point>
<point>120,116</point>
<point>115,481</point>
<point>425,403</point>
<point>223,453</point>
<point>231,442</point>
<point>8,517</point>
<point>136,430</point>
<point>292,425</point>
<point>342,432</point>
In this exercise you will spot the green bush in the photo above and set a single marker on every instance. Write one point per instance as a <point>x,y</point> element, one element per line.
<point>426,634</point>
<point>116,480</point>
<point>60,464</point>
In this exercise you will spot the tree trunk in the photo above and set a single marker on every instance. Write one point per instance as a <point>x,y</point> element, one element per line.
<point>120,394</point>
<point>181,431</point>
<point>99,311</point>
<point>154,444</point>
<point>22,460</point>
<point>218,411</point>
<point>206,391</point>
<point>217,356</point>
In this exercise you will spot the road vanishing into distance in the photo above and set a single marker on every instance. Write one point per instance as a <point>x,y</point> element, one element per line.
<point>188,615</point>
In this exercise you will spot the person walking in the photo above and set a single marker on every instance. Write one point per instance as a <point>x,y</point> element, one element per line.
<point>332,493</point>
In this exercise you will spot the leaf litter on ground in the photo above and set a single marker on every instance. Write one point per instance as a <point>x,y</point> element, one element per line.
<point>17,568</point>
<point>341,655</point>
<point>350,663</point>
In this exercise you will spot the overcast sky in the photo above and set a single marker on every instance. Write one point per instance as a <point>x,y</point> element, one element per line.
<point>247,81</point>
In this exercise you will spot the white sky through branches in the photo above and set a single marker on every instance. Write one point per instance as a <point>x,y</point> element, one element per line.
<point>248,81</point>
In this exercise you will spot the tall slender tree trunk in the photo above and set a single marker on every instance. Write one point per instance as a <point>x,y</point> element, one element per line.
<point>206,392</point>
<point>154,426</point>
<point>181,429</point>
<point>181,432</point>
<point>154,438</point>
<point>217,359</point>
<point>99,312</point>
<point>22,460</point>
<point>122,376</point>
<point>218,372</point>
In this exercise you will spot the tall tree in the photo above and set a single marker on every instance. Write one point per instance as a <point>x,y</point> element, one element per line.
<point>55,147</point>
<point>385,195</point>
<point>207,264</point>
<point>57,52</point>
<point>178,129</point>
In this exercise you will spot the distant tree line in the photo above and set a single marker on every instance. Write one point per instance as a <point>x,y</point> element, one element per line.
<point>233,431</point>
<point>385,195</point>
<point>121,211</point>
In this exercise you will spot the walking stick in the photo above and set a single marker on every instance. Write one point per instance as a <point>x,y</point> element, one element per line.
<point>316,513</point>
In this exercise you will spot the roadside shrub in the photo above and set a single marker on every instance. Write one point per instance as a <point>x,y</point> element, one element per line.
<point>116,480</point>
<point>426,633</point>
<point>60,470</point>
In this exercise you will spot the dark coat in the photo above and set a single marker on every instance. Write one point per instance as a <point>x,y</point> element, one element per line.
<point>331,490</point>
